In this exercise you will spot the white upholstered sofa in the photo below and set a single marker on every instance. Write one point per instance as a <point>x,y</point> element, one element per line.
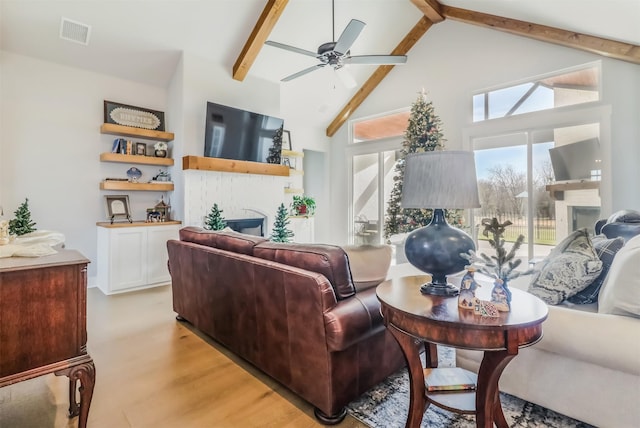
<point>587,365</point>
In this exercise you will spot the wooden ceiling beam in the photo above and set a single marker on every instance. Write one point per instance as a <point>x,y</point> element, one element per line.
<point>402,49</point>
<point>270,15</point>
<point>605,47</point>
<point>430,8</point>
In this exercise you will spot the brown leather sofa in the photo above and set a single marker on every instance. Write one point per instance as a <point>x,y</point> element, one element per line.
<point>291,310</point>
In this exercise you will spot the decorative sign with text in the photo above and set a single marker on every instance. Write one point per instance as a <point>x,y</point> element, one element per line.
<point>137,117</point>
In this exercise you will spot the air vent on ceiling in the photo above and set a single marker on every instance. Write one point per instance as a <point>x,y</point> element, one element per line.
<point>74,31</point>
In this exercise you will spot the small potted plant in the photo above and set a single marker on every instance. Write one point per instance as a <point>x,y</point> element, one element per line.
<point>303,206</point>
<point>502,266</point>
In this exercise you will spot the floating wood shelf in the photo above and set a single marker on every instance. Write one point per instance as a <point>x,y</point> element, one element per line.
<point>126,185</point>
<point>292,190</point>
<point>227,165</point>
<point>292,154</point>
<point>129,131</point>
<point>557,190</point>
<point>143,160</point>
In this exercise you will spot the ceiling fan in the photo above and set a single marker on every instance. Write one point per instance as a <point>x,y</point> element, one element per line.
<point>337,54</point>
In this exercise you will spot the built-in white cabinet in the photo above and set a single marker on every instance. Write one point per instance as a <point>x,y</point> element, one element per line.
<point>133,256</point>
<point>302,228</point>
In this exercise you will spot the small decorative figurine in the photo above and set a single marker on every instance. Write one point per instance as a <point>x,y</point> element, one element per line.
<point>501,296</point>
<point>468,287</point>
<point>4,232</point>
<point>485,309</point>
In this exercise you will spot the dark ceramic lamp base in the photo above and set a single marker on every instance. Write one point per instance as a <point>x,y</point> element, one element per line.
<point>435,249</point>
<point>446,290</point>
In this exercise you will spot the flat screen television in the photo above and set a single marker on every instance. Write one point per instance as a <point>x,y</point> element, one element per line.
<point>576,161</point>
<point>237,134</point>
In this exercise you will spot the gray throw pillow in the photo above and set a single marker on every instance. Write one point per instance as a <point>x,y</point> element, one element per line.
<point>569,268</point>
<point>606,250</point>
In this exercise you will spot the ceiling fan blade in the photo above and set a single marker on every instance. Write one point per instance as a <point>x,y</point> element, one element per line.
<point>376,59</point>
<point>291,48</point>
<point>346,78</point>
<point>348,36</point>
<point>303,72</point>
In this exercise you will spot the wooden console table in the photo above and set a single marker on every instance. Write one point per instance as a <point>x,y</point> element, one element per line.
<point>411,315</point>
<point>43,312</point>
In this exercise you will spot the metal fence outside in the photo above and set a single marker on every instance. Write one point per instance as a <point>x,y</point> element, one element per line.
<point>544,229</point>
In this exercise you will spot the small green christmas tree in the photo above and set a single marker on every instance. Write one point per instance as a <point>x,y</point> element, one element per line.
<point>214,220</point>
<point>423,134</point>
<point>275,151</point>
<point>280,231</point>
<point>501,265</point>
<point>22,224</point>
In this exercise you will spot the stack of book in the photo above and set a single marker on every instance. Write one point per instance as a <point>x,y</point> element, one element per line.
<point>449,379</point>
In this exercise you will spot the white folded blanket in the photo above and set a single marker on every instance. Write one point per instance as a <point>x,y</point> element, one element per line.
<point>34,244</point>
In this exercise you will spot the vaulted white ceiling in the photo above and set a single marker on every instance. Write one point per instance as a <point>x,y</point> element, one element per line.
<point>143,40</point>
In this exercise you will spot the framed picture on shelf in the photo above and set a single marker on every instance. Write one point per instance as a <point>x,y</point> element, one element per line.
<point>118,206</point>
<point>141,149</point>
<point>286,140</point>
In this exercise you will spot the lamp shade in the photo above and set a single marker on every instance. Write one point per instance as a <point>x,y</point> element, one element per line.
<point>440,179</point>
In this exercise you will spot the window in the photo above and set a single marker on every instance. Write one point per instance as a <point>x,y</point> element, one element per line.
<point>557,90</point>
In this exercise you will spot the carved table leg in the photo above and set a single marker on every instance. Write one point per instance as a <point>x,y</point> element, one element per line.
<point>488,408</point>
<point>86,374</point>
<point>431,355</point>
<point>74,409</point>
<point>417,402</point>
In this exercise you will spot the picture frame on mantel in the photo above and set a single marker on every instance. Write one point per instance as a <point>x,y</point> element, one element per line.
<point>286,140</point>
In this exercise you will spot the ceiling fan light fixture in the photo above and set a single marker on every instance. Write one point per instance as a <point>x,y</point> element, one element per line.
<point>337,52</point>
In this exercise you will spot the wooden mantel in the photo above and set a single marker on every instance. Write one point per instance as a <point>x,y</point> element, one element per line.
<point>557,189</point>
<point>227,165</point>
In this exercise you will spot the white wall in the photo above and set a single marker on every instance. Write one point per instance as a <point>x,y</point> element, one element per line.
<point>50,143</point>
<point>454,60</point>
<point>196,82</point>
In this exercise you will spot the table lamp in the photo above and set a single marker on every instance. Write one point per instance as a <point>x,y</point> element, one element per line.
<point>439,180</point>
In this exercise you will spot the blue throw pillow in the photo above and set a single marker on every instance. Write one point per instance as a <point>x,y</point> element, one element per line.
<point>606,250</point>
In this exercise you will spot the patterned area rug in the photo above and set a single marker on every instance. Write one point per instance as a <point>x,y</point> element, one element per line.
<point>386,405</point>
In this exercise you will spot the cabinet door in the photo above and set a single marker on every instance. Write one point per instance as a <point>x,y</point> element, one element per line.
<point>157,256</point>
<point>303,230</point>
<point>129,258</point>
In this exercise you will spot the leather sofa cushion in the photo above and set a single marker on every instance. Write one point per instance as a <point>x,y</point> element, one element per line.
<point>238,242</point>
<point>328,260</point>
<point>223,239</point>
<point>198,235</point>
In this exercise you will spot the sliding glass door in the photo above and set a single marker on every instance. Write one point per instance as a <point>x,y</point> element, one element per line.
<point>544,182</point>
<point>372,181</point>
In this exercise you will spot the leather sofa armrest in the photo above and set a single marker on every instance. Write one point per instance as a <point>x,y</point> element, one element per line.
<point>353,320</point>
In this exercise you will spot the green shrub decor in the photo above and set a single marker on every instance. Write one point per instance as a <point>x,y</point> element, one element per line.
<point>215,220</point>
<point>280,231</point>
<point>22,224</point>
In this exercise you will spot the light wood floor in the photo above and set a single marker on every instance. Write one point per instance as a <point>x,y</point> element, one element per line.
<point>152,371</point>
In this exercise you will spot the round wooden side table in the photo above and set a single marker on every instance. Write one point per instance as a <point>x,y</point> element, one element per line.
<point>414,318</point>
